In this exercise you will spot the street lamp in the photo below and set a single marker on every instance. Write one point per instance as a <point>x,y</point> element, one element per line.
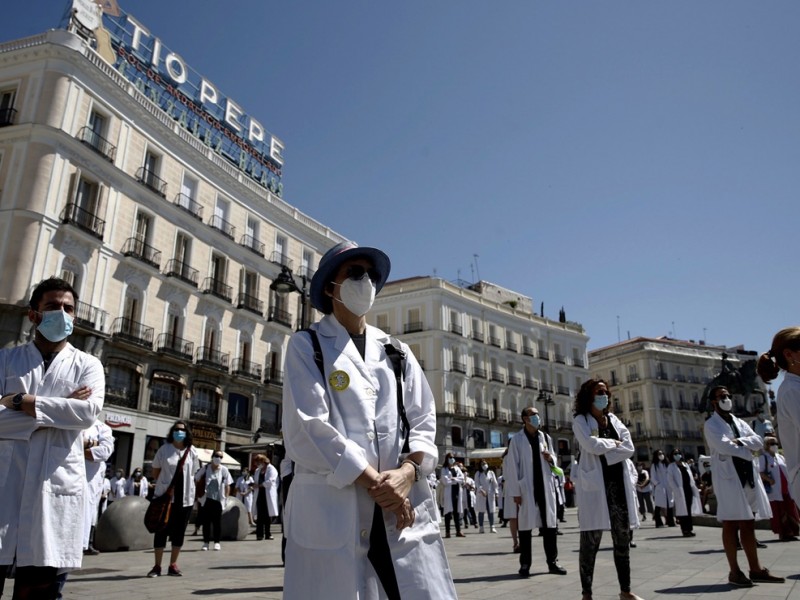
<point>548,401</point>
<point>285,284</point>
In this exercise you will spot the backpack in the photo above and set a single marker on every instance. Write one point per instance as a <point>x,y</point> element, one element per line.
<point>395,354</point>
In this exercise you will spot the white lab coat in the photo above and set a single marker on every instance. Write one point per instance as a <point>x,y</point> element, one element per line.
<point>448,480</point>
<point>244,491</point>
<point>732,504</point>
<point>509,508</point>
<point>773,466</point>
<point>519,481</point>
<point>789,425</point>
<point>486,491</point>
<point>167,459</point>
<point>269,487</point>
<point>590,488</point>
<point>332,436</point>
<point>95,473</point>
<point>119,485</point>
<point>42,469</point>
<point>662,495</point>
<point>144,487</point>
<point>675,482</point>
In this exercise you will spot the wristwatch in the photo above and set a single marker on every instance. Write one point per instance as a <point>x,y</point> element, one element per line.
<point>417,471</point>
<point>16,401</point>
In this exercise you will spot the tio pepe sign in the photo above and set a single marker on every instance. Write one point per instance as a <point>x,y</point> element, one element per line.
<point>195,103</point>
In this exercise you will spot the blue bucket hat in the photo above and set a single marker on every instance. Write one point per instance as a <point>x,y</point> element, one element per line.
<point>330,263</point>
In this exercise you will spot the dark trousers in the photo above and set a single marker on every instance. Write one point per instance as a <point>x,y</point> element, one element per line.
<point>380,557</point>
<point>176,529</point>
<point>212,520</point>
<point>263,519</point>
<point>549,541</point>
<point>32,583</point>
<point>686,522</point>
<point>455,516</point>
<point>286,482</point>
<point>670,517</point>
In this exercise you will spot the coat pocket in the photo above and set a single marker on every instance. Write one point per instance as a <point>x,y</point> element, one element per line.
<point>321,517</point>
<point>591,480</point>
<point>65,471</point>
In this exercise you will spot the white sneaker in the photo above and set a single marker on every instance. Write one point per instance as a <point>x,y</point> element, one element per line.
<point>205,547</point>
<point>481,530</point>
<point>217,547</point>
<point>494,530</point>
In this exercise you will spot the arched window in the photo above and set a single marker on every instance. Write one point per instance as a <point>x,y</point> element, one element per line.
<point>205,403</point>
<point>123,381</point>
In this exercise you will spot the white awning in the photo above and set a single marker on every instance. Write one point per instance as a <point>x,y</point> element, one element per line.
<point>205,457</point>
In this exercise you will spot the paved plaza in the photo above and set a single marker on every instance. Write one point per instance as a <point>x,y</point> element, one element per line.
<point>665,564</point>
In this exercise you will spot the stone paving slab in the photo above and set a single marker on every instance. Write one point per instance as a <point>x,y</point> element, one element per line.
<point>665,565</point>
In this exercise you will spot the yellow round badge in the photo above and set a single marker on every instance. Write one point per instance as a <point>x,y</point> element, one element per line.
<point>339,380</point>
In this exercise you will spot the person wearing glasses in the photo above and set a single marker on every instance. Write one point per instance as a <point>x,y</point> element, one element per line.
<point>218,488</point>
<point>737,486</point>
<point>362,438</point>
<point>51,392</point>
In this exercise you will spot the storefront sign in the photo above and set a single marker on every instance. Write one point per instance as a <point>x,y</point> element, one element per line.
<point>115,420</point>
<point>194,102</point>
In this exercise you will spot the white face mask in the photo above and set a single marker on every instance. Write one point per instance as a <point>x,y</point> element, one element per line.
<point>726,404</point>
<point>357,295</point>
<point>217,460</point>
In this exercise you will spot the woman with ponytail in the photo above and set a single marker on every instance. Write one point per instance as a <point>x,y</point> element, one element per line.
<point>784,355</point>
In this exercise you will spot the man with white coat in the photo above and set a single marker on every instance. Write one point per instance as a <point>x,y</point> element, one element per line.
<point>684,491</point>
<point>265,496</point>
<point>452,485</point>
<point>98,446</point>
<point>486,491</point>
<point>360,428</point>
<point>51,392</point>
<point>530,483</point>
<point>737,486</point>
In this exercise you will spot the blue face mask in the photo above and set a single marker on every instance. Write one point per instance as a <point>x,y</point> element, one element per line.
<point>535,421</point>
<point>56,325</point>
<point>178,436</point>
<point>601,401</point>
<point>677,458</point>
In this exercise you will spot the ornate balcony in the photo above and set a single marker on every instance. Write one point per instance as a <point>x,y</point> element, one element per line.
<point>136,248</point>
<point>181,270</point>
<point>220,224</point>
<point>578,362</point>
<point>186,203</point>
<point>281,259</point>
<point>152,181</point>
<point>250,303</point>
<point>560,358</point>
<point>483,413</point>
<point>562,389</point>
<point>512,346</point>
<point>98,143</point>
<point>90,317</point>
<point>477,336</point>
<point>252,244</point>
<point>274,377</point>
<point>212,358</point>
<point>479,372</point>
<point>495,341</point>
<point>528,351</point>
<point>413,327</point>
<point>544,355</point>
<point>121,397</point>
<point>132,332</point>
<point>514,380</point>
<point>246,368</point>
<point>498,376</point>
<point>168,343</point>
<point>457,329</point>
<point>240,422</point>
<point>7,116</point>
<point>530,383</point>
<point>217,288</point>
<point>458,367</point>
<point>633,377</point>
<point>276,315</point>
<point>84,220</point>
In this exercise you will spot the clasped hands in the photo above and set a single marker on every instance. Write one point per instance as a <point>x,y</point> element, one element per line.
<point>390,491</point>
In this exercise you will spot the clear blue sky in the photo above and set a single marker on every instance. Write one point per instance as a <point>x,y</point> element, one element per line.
<point>636,159</point>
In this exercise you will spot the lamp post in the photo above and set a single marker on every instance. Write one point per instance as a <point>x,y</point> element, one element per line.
<point>285,284</point>
<point>548,401</point>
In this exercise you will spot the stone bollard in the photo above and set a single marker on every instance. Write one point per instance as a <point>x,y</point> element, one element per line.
<point>121,526</point>
<point>234,520</point>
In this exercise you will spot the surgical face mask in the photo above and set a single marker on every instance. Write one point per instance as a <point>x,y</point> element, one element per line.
<point>358,295</point>
<point>217,460</point>
<point>601,401</point>
<point>773,448</point>
<point>726,404</point>
<point>535,421</point>
<point>451,461</point>
<point>677,457</point>
<point>56,325</point>
<point>137,476</point>
<point>485,467</point>
<point>660,457</point>
<point>178,435</point>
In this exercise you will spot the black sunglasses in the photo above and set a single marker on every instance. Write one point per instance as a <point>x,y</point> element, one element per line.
<point>356,272</point>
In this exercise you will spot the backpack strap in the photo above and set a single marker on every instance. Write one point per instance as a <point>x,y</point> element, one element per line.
<point>318,358</point>
<point>395,354</point>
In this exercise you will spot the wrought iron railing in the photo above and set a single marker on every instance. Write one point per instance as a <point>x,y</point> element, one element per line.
<point>136,248</point>
<point>211,357</point>
<point>220,224</point>
<point>277,315</point>
<point>83,219</point>
<point>132,331</point>
<point>152,181</point>
<point>186,203</point>
<point>98,143</point>
<point>252,244</point>
<point>181,270</point>
<point>175,346</point>
<point>246,368</point>
<point>250,303</point>
<point>90,316</point>
<point>217,288</point>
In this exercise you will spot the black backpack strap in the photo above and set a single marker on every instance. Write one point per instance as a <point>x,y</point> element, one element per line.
<point>318,359</point>
<point>395,354</point>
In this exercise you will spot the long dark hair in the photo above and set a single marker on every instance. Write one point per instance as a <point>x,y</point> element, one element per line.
<point>585,397</point>
<point>189,439</point>
<point>655,460</point>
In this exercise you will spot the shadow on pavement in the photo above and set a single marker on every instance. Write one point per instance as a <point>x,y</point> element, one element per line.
<point>253,590</point>
<point>715,588</point>
<point>491,578</point>
<point>709,551</point>
<point>243,567</point>
<point>483,553</point>
<point>107,578</point>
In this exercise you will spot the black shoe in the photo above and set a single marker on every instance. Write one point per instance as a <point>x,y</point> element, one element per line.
<point>739,579</point>
<point>556,569</point>
<point>559,532</point>
<point>174,571</point>
<point>91,551</point>
<point>524,572</point>
<point>633,544</point>
<point>760,544</point>
<point>689,534</point>
<point>269,537</point>
<point>764,576</point>
<point>155,572</point>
